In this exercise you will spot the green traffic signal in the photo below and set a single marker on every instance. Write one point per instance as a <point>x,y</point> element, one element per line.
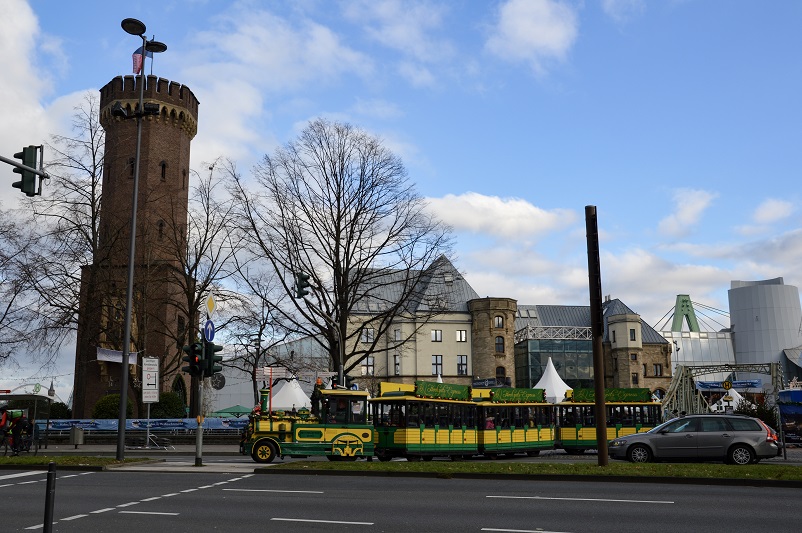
<point>211,368</point>
<point>194,359</point>
<point>301,284</point>
<point>27,184</point>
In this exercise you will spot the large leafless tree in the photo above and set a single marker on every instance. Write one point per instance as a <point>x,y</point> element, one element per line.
<point>338,205</point>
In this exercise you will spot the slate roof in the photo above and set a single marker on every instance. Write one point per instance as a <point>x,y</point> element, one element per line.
<point>441,287</point>
<point>579,316</point>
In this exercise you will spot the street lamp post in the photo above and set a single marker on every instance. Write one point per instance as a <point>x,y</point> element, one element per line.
<point>133,27</point>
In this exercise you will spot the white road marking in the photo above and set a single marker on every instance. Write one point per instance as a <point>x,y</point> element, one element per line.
<point>277,490</point>
<point>38,526</point>
<point>102,510</point>
<point>146,512</point>
<point>171,494</point>
<point>189,490</point>
<point>579,499</point>
<point>153,498</point>
<point>74,517</point>
<point>322,521</point>
<point>22,474</point>
<point>35,480</point>
<point>129,504</point>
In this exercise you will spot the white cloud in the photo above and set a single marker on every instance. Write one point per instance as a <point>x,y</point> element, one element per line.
<point>376,108</point>
<point>417,75</point>
<point>772,210</point>
<point>689,206</point>
<point>534,31</point>
<point>403,25</point>
<point>505,218</point>
<point>622,11</point>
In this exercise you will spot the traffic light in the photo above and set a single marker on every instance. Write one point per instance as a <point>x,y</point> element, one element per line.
<point>350,383</point>
<point>194,358</point>
<point>210,368</point>
<point>301,284</point>
<point>28,182</point>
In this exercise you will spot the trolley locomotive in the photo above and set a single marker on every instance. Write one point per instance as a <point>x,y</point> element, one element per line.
<point>337,427</point>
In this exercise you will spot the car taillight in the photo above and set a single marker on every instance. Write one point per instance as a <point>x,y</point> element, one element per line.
<point>770,435</point>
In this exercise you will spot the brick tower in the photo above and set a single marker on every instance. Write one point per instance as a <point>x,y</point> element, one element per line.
<point>159,317</point>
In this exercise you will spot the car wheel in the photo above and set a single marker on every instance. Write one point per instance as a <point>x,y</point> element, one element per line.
<point>740,454</point>
<point>639,454</point>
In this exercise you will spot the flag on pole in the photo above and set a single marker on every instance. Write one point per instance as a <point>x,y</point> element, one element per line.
<point>139,60</point>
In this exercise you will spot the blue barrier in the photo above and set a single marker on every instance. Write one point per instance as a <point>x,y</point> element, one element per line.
<point>156,424</point>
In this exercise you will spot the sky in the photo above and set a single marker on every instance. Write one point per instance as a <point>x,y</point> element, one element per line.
<point>678,119</point>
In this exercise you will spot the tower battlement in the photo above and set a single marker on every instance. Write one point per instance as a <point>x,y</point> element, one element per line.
<point>160,89</point>
<point>178,105</point>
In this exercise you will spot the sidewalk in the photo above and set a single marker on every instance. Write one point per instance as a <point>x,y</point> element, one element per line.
<point>105,450</point>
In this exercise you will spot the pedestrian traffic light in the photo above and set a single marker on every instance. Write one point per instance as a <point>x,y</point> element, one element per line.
<point>194,358</point>
<point>210,360</point>
<point>301,284</point>
<point>28,182</point>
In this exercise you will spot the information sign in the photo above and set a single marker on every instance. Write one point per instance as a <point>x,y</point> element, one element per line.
<point>150,380</point>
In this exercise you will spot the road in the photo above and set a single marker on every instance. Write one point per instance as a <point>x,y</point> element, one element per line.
<point>127,501</point>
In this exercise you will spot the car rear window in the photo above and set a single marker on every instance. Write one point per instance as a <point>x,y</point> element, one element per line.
<point>744,424</point>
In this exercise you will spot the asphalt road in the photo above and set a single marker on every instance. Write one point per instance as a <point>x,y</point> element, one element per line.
<point>122,502</point>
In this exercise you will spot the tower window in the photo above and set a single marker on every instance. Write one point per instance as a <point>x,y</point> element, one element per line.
<point>131,167</point>
<point>498,321</point>
<point>499,344</point>
<point>163,166</point>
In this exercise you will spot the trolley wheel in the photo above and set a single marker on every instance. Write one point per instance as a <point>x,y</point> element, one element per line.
<point>533,453</point>
<point>413,458</point>
<point>384,457</point>
<point>428,457</point>
<point>574,451</point>
<point>263,451</point>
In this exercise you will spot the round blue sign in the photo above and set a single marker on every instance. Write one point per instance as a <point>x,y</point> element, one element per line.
<point>208,331</point>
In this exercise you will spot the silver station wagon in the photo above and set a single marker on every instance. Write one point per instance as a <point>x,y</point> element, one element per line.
<point>736,439</point>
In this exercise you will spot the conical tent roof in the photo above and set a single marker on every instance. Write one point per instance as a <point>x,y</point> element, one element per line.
<point>288,394</point>
<point>721,405</point>
<point>553,384</point>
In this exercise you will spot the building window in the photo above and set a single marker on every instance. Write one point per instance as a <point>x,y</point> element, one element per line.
<point>367,335</point>
<point>633,357</point>
<point>498,321</point>
<point>462,365</point>
<point>615,364</point>
<point>183,178</point>
<point>396,335</point>
<point>499,344</point>
<point>658,369</point>
<point>632,334</point>
<point>397,364</point>
<point>163,171</point>
<point>131,167</point>
<point>644,370</point>
<point>462,335</point>
<point>634,378</point>
<point>437,365</point>
<point>613,336</point>
<point>437,335</point>
<point>367,366</point>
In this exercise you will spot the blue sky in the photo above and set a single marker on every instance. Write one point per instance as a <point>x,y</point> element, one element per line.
<point>679,119</point>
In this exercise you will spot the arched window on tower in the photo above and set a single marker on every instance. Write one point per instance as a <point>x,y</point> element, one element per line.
<point>499,344</point>
<point>184,178</point>
<point>131,166</point>
<point>163,166</point>
<point>498,321</point>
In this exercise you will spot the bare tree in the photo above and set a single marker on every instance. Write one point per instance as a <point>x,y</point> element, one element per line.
<point>15,311</point>
<point>337,205</point>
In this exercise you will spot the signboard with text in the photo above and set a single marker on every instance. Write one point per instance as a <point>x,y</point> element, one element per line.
<point>150,380</point>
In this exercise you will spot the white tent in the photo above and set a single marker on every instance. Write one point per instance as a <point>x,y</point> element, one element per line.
<point>289,394</point>
<point>721,405</point>
<point>553,383</point>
